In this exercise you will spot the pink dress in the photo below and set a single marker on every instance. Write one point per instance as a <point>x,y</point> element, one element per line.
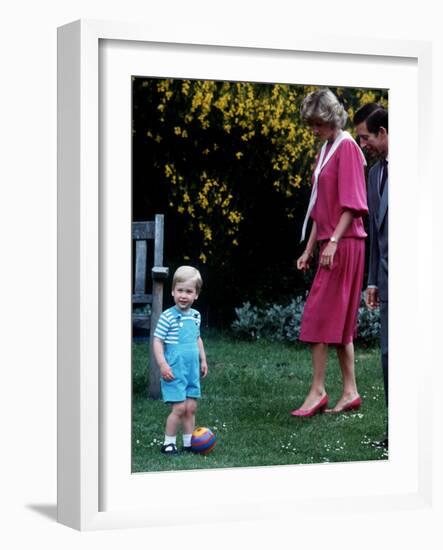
<point>330,313</point>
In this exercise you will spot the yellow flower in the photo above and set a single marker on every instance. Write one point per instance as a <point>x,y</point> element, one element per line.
<point>185,87</point>
<point>208,234</point>
<point>203,201</point>
<point>239,155</point>
<point>234,217</point>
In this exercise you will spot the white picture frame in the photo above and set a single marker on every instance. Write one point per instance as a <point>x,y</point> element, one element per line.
<point>96,491</point>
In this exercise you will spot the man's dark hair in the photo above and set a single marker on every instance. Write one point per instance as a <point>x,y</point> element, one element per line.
<point>364,111</point>
<point>376,120</point>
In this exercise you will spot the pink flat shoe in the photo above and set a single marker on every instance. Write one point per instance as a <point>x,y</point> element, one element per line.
<point>320,407</point>
<point>349,406</point>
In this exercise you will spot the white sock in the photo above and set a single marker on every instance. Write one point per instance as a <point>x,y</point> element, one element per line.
<point>187,440</point>
<point>170,439</point>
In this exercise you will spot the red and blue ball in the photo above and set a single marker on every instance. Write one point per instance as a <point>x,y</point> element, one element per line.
<point>202,441</point>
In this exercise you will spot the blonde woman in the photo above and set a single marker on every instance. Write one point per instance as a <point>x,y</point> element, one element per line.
<point>337,204</point>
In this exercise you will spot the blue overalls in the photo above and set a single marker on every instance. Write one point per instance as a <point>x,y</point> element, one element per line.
<point>184,360</point>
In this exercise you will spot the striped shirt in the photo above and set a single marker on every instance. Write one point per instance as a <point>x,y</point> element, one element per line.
<point>170,321</point>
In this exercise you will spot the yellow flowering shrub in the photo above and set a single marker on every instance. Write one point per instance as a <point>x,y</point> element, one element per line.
<point>222,153</point>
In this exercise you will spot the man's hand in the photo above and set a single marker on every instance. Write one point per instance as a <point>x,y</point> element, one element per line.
<point>371,298</point>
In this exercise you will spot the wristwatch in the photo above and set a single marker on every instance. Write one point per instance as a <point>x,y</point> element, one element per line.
<point>334,240</point>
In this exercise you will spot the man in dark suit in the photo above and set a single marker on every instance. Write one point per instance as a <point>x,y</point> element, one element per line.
<point>373,135</point>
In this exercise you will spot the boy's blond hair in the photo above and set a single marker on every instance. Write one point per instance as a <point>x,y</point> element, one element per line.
<point>187,273</point>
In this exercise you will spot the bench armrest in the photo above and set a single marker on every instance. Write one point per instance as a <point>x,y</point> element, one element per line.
<point>160,272</point>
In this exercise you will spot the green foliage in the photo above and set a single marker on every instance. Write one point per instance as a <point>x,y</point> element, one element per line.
<point>282,323</point>
<point>213,144</point>
<point>274,322</point>
<point>142,309</point>
<point>368,324</point>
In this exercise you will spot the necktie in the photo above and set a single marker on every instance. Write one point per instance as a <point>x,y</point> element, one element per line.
<point>384,177</point>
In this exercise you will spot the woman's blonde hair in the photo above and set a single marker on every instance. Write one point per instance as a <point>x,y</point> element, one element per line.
<point>324,106</point>
<point>187,273</point>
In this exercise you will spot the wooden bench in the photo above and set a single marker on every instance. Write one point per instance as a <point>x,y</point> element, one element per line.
<point>152,303</point>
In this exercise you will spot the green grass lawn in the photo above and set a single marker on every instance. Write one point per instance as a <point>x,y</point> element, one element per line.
<point>246,399</point>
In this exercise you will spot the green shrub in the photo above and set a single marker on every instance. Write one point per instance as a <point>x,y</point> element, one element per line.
<point>282,322</point>
<point>273,322</point>
<point>368,324</point>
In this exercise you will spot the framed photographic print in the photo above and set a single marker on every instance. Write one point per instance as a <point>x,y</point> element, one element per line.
<point>116,82</point>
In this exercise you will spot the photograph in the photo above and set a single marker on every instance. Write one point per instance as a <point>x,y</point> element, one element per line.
<point>259,274</point>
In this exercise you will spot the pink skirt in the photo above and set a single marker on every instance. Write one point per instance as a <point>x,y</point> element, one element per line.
<point>331,309</point>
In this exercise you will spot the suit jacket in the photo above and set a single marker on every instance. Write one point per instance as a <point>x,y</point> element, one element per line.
<point>378,232</point>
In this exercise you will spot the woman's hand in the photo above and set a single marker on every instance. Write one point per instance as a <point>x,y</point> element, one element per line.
<point>166,372</point>
<point>327,256</point>
<point>303,261</point>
